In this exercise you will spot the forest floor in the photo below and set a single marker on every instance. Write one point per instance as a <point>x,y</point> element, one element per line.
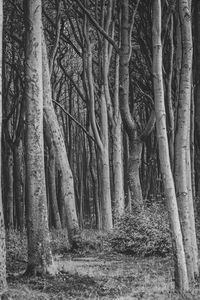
<point>93,274</point>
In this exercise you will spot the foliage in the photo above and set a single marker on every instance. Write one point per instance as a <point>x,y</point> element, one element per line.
<point>88,241</point>
<point>59,241</point>
<point>145,233</point>
<point>16,250</point>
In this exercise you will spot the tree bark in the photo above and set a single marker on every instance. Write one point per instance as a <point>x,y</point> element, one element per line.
<point>181,278</point>
<point>184,199</point>
<point>3,283</point>
<point>40,259</point>
<point>18,178</point>
<point>52,125</point>
<point>128,121</point>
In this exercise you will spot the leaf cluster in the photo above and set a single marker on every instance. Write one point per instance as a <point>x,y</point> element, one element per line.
<point>143,234</point>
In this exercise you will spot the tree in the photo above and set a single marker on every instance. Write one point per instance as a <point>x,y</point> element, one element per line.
<point>54,131</point>
<point>39,252</point>
<point>182,145</point>
<point>3,283</point>
<point>181,277</point>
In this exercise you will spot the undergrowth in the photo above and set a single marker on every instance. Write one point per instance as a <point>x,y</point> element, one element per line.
<point>143,234</point>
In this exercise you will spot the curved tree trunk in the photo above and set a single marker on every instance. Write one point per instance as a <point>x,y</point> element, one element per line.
<point>181,278</point>
<point>39,252</point>
<point>52,125</point>
<point>128,121</point>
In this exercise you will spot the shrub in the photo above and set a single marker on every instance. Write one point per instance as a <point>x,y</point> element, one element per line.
<point>89,241</point>
<point>143,234</point>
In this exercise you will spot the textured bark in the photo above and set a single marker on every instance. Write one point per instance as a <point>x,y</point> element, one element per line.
<point>197,101</point>
<point>181,278</point>
<point>39,252</point>
<point>128,121</point>
<point>52,189</point>
<point>118,180</point>
<point>18,177</point>
<point>135,151</point>
<point>3,283</point>
<point>8,171</point>
<point>191,210</point>
<point>103,144</point>
<point>105,169</point>
<point>52,125</point>
<point>184,199</point>
<point>169,94</point>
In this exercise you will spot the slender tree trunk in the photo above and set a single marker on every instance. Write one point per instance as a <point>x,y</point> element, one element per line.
<point>135,152</point>
<point>181,279</point>
<point>169,94</point>
<point>9,217</point>
<point>39,252</point>
<point>3,283</point>
<point>105,169</point>
<point>18,177</point>
<point>197,103</point>
<point>181,141</point>
<point>52,125</point>
<point>103,144</point>
<point>52,189</point>
<point>118,180</point>
<point>128,121</point>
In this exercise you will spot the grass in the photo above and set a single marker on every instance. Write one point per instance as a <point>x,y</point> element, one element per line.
<point>91,271</point>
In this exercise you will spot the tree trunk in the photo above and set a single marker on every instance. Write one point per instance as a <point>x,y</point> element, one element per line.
<point>181,139</point>
<point>52,189</point>
<point>181,279</point>
<point>18,177</point>
<point>107,223</point>
<point>3,283</point>
<point>135,151</point>
<point>40,259</point>
<point>9,217</point>
<point>52,125</point>
<point>118,180</point>
<point>128,121</point>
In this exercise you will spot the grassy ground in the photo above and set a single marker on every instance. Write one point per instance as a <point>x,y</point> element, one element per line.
<point>92,271</point>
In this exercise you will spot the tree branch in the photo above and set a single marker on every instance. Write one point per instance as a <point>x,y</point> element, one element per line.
<point>98,27</point>
<point>75,121</point>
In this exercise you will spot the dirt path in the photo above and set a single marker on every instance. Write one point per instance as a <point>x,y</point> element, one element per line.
<point>104,276</point>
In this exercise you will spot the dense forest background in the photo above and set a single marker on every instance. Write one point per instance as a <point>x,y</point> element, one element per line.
<point>100,122</point>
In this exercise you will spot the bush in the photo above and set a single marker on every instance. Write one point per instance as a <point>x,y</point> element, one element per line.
<point>143,234</point>
<point>89,241</point>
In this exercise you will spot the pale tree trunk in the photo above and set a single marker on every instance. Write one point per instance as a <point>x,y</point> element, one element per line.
<point>52,181</point>
<point>181,278</point>
<point>169,93</point>
<point>135,152</point>
<point>184,198</point>
<point>105,171</point>
<point>119,203</point>
<point>103,144</point>
<point>3,283</point>
<point>191,207</point>
<point>197,103</point>
<point>114,117</point>
<point>40,259</point>
<point>52,125</point>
